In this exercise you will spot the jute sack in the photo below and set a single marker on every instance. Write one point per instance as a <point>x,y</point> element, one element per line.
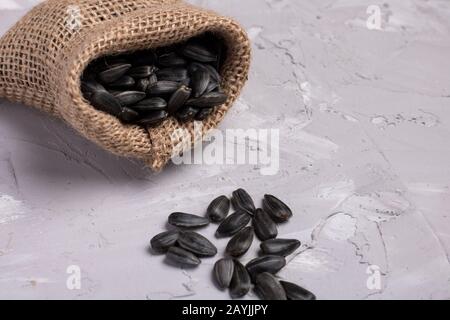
<point>43,55</point>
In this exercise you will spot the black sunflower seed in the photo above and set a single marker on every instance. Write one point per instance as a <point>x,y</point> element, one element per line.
<point>233,224</point>
<point>269,288</point>
<point>179,256</point>
<point>128,115</point>
<point>114,73</point>
<point>198,52</point>
<point>124,82</point>
<point>141,71</point>
<point>153,118</point>
<point>268,263</point>
<point>280,247</point>
<point>128,98</point>
<point>151,104</point>
<point>178,99</point>
<point>163,241</point>
<point>187,220</point>
<point>197,244</point>
<point>200,81</point>
<point>277,209</point>
<point>223,272</point>
<point>104,101</point>
<point>240,243</point>
<point>91,86</point>
<point>208,100</point>
<point>295,292</point>
<point>163,87</point>
<point>242,200</point>
<point>218,209</point>
<point>240,281</point>
<point>172,74</point>
<point>171,60</point>
<point>264,226</point>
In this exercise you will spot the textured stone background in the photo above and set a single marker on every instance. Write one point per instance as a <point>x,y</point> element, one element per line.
<point>364,123</point>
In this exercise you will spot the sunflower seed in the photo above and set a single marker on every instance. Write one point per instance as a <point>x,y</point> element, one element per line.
<point>153,118</point>
<point>186,220</point>
<point>233,224</point>
<point>178,99</point>
<point>240,243</point>
<point>163,87</point>
<point>242,200</point>
<point>295,292</point>
<point>198,52</point>
<point>240,281</point>
<point>128,98</point>
<point>277,209</point>
<point>202,114</point>
<point>269,288</point>
<point>142,84</point>
<point>151,104</point>
<point>213,73</point>
<point>91,86</point>
<point>124,82</point>
<point>141,71</point>
<point>218,209</point>
<point>163,241</point>
<point>280,247</point>
<point>197,244</point>
<point>179,256</point>
<point>128,115</point>
<point>223,272</point>
<point>186,113</point>
<point>264,226</point>
<point>200,81</point>
<point>208,100</point>
<point>268,263</point>
<point>171,60</point>
<point>114,73</point>
<point>104,101</point>
<point>172,74</point>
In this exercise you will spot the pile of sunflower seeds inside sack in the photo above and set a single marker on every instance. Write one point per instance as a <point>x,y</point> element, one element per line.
<point>146,87</point>
<point>184,247</point>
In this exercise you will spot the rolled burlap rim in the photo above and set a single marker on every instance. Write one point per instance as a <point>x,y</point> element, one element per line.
<point>149,24</point>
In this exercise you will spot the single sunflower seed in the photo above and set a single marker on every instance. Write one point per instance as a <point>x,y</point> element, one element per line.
<point>163,87</point>
<point>242,200</point>
<point>240,242</point>
<point>172,74</point>
<point>124,82</point>
<point>106,102</point>
<point>178,99</point>
<point>200,81</point>
<point>198,52</point>
<point>280,247</point>
<point>182,257</point>
<point>208,100</point>
<point>141,71</point>
<point>233,224</point>
<point>295,292</point>
<point>187,220</point>
<point>197,244</point>
<point>223,272</point>
<point>264,226</point>
<point>218,209</point>
<point>164,240</point>
<point>277,209</point>
<point>150,104</point>
<point>203,113</point>
<point>153,118</point>
<point>267,263</point>
<point>240,281</point>
<point>171,60</point>
<point>128,115</point>
<point>114,73</point>
<point>128,98</point>
<point>269,288</point>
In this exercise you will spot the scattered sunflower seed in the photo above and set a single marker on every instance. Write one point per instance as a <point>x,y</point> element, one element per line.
<point>218,209</point>
<point>280,247</point>
<point>187,220</point>
<point>197,244</point>
<point>277,209</point>
<point>163,241</point>
<point>240,281</point>
<point>269,287</point>
<point>295,292</point>
<point>223,272</point>
<point>182,257</point>
<point>264,226</point>
<point>240,243</point>
<point>242,200</point>
<point>233,224</point>
<point>268,263</point>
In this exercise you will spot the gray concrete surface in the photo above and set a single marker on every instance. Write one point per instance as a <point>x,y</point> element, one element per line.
<point>364,162</point>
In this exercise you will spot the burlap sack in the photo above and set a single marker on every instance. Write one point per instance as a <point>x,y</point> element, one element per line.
<point>44,54</point>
